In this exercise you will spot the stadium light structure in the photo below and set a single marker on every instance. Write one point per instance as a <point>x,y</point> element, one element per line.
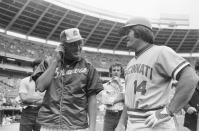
<point>121,52</point>
<point>184,54</point>
<point>52,42</point>
<point>2,30</point>
<point>132,53</point>
<point>107,51</point>
<point>194,55</point>
<point>16,34</point>
<point>91,49</point>
<point>36,39</point>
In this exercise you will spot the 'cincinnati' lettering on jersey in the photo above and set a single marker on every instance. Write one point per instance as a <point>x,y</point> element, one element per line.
<point>141,69</point>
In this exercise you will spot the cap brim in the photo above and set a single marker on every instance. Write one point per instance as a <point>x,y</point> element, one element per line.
<point>73,40</point>
<point>123,30</point>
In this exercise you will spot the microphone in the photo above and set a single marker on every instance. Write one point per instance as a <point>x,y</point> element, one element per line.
<point>60,50</point>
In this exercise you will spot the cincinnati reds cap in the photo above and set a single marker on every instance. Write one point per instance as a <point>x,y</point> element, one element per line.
<point>135,21</point>
<point>70,35</point>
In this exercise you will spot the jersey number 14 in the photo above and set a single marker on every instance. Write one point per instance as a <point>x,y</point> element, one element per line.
<point>140,88</point>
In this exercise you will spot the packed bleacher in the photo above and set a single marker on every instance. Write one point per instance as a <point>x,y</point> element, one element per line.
<point>13,45</point>
<point>23,48</point>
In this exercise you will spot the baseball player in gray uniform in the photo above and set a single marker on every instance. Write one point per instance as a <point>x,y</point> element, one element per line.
<point>148,78</point>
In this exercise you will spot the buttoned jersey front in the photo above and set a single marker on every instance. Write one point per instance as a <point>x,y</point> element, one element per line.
<point>65,103</point>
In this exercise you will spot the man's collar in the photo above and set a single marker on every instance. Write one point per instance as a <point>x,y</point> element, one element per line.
<point>143,49</point>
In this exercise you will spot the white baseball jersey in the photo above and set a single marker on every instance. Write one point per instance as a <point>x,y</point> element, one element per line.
<point>148,77</point>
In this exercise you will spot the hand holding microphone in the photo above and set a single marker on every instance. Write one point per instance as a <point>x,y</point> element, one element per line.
<point>59,52</point>
<point>56,57</point>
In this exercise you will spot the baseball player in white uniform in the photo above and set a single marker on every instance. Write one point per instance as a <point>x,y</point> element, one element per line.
<point>148,78</point>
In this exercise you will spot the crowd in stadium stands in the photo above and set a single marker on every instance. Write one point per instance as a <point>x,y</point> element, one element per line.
<point>101,60</point>
<point>9,87</point>
<point>34,50</point>
<point>23,47</point>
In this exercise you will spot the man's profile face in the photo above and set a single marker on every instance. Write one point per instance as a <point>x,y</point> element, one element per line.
<point>116,71</point>
<point>132,41</point>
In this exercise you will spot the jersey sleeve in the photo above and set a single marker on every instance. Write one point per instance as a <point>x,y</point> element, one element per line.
<point>94,85</point>
<point>22,87</point>
<point>40,69</point>
<point>169,63</point>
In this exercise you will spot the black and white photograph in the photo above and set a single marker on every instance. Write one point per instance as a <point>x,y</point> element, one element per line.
<point>99,65</point>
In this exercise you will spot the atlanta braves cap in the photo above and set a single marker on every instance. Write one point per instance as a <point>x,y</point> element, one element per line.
<point>70,35</point>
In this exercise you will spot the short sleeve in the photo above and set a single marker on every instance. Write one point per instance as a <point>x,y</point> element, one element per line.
<point>94,85</point>
<point>169,63</point>
<point>22,87</point>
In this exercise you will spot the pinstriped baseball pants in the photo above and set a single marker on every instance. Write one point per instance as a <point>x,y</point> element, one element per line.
<point>55,129</point>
